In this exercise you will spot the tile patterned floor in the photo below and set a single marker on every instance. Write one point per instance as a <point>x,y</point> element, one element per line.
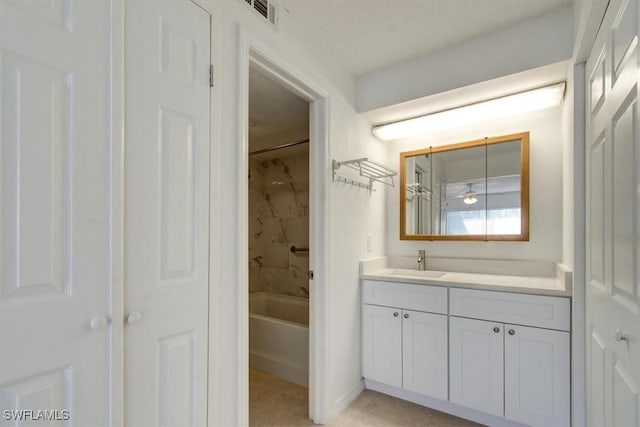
<point>275,402</point>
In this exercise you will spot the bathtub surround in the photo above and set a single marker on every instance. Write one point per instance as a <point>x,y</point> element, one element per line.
<point>278,220</point>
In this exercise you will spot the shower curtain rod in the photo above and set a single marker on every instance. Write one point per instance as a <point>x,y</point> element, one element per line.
<point>278,147</point>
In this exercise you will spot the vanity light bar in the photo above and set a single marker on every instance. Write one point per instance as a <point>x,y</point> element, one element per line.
<point>496,108</point>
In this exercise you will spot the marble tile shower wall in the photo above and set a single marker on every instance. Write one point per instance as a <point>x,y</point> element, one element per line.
<point>279,219</point>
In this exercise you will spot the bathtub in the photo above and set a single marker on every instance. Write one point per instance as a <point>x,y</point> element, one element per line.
<point>279,336</point>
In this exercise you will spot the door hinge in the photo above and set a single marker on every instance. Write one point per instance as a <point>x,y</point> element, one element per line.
<point>210,75</point>
<point>310,274</point>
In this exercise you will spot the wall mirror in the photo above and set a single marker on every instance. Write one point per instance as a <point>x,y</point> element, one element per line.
<point>475,190</point>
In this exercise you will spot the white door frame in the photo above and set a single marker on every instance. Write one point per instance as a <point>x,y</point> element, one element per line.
<point>584,43</point>
<point>116,225</point>
<point>253,52</point>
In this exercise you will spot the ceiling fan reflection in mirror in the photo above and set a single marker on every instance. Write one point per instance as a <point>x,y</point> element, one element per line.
<point>469,197</point>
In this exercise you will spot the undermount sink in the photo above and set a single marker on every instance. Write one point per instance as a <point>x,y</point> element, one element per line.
<point>413,273</point>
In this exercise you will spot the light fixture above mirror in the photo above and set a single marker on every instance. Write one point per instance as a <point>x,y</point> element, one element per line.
<point>522,102</point>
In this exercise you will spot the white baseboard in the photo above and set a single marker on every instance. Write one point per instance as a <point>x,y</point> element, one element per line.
<point>442,406</point>
<point>346,399</point>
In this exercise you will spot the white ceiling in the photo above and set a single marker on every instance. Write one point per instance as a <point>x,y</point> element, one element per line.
<point>366,35</point>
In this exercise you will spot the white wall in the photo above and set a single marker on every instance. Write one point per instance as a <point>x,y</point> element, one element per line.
<point>524,46</point>
<point>546,186</point>
<point>354,213</point>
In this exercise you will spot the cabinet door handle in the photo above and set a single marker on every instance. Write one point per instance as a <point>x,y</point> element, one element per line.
<point>395,314</point>
<point>512,332</point>
<point>406,315</point>
<point>496,329</point>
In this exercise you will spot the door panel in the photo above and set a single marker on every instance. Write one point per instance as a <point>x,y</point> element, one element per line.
<point>424,354</point>
<point>624,397</point>
<point>624,32</point>
<point>382,344</point>
<point>596,208</point>
<point>54,207</point>
<point>177,374</point>
<point>537,368</point>
<point>624,138</point>
<point>596,374</point>
<point>476,364</point>
<point>167,213</point>
<point>612,168</point>
<point>176,192</point>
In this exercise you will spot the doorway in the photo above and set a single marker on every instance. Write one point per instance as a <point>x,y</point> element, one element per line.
<point>254,55</point>
<point>278,238</point>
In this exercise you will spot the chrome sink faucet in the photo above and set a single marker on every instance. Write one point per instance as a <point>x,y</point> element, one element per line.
<point>422,260</point>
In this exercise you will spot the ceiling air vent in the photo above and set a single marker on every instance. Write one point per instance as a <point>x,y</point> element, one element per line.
<point>265,8</point>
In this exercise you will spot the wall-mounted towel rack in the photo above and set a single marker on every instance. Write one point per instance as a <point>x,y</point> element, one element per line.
<point>295,250</point>
<point>368,169</point>
<point>418,190</point>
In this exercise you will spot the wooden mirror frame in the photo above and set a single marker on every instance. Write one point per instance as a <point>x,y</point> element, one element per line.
<point>524,190</point>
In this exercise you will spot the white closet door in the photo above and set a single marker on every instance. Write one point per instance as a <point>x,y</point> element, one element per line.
<point>166,212</point>
<point>54,208</point>
<point>613,229</point>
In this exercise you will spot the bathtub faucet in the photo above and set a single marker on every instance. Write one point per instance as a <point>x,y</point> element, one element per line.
<point>422,260</point>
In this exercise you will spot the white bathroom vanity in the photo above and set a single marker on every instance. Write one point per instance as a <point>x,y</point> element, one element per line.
<point>493,348</point>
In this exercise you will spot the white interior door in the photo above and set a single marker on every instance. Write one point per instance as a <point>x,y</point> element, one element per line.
<point>612,188</point>
<point>166,212</point>
<point>54,210</point>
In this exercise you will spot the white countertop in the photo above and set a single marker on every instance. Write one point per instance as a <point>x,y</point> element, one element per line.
<point>543,283</point>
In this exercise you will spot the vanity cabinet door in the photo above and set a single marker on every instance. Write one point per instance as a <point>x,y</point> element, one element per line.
<point>476,369</point>
<point>424,353</point>
<point>382,344</point>
<point>537,376</point>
